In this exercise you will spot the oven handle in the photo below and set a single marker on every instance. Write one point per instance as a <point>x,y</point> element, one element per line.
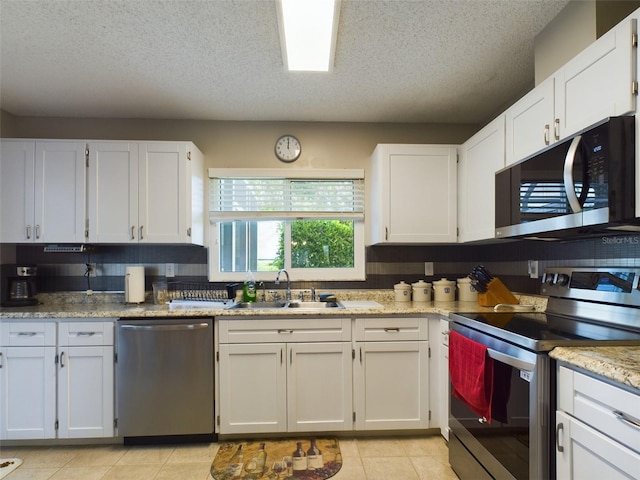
<point>513,361</point>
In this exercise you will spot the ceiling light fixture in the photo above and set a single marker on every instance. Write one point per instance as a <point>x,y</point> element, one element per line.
<point>308,32</point>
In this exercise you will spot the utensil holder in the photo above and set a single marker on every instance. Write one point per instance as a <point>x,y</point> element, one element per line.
<point>496,293</point>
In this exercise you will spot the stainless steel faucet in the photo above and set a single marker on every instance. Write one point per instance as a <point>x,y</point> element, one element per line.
<point>288,294</point>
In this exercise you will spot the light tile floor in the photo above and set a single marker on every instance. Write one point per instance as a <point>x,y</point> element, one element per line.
<point>398,458</point>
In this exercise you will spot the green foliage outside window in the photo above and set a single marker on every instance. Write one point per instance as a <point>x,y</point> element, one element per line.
<point>318,244</point>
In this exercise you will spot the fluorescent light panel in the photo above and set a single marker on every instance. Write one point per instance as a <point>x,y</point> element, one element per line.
<point>308,31</point>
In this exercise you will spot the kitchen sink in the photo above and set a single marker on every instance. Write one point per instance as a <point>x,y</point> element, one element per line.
<point>259,305</point>
<point>313,305</point>
<point>294,305</point>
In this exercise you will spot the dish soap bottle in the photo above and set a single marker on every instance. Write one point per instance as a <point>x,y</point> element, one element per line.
<point>249,288</point>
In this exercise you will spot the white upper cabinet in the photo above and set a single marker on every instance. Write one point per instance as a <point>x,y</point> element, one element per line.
<point>530,122</point>
<point>481,156</point>
<point>146,192</point>
<point>43,191</point>
<point>597,83</point>
<point>413,194</point>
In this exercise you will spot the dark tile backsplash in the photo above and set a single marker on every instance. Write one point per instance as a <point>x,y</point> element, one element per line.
<point>386,265</point>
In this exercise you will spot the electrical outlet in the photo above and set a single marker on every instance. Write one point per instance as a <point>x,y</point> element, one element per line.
<point>428,268</point>
<point>170,270</point>
<point>532,268</point>
<point>92,270</point>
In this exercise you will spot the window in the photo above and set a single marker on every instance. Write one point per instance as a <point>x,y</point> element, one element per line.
<point>310,222</point>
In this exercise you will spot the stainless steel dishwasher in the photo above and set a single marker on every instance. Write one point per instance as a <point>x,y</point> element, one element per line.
<point>164,377</point>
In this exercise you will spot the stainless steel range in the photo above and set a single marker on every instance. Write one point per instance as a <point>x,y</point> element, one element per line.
<point>586,307</point>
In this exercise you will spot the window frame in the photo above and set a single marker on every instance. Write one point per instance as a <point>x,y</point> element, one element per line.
<point>356,273</point>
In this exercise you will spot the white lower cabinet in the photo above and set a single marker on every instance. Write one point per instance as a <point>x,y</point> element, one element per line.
<point>597,435</point>
<point>391,373</point>
<point>27,380</point>
<point>443,381</point>
<point>274,375</point>
<point>50,388</point>
<point>85,379</point>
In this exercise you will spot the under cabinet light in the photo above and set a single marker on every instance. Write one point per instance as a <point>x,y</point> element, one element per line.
<point>308,32</point>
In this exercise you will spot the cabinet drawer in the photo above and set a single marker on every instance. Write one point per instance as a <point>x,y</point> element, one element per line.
<point>285,330</point>
<point>85,333</point>
<point>391,329</point>
<point>28,334</point>
<point>605,407</point>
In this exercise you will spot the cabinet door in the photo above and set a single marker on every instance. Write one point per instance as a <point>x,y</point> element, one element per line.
<point>60,192</point>
<point>319,387</point>
<point>17,176</point>
<point>391,385</point>
<point>85,392</point>
<point>27,393</point>
<point>444,388</point>
<point>163,190</point>
<point>253,388</point>
<point>585,453</point>
<point>483,155</point>
<point>413,197</point>
<point>597,83</point>
<point>530,122</point>
<point>113,192</point>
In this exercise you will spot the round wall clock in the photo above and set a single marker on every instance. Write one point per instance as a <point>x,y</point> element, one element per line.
<point>287,148</point>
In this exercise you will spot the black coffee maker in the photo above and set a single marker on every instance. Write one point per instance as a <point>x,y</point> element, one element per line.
<point>21,289</point>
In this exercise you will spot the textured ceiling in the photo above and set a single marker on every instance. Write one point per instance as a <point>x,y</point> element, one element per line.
<point>453,61</point>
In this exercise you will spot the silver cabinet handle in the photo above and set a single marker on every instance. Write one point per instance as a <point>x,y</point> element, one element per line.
<point>28,232</point>
<point>0,359</point>
<point>27,334</point>
<point>545,134</point>
<point>61,360</point>
<point>360,354</point>
<point>627,419</point>
<point>556,129</point>
<point>285,330</point>
<point>392,330</point>
<point>85,334</point>
<point>559,427</point>
<point>141,237</point>
<point>133,227</point>
<point>37,232</point>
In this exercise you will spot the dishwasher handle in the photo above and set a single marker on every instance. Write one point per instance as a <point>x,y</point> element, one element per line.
<point>165,328</point>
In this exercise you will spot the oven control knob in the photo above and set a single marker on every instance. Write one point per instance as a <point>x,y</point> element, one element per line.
<point>562,279</point>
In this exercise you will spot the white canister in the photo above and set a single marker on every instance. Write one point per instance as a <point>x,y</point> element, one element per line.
<point>403,292</point>
<point>421,291</point>
<point>466,292</point>
<point>444,290</point>
<point>134,285</point>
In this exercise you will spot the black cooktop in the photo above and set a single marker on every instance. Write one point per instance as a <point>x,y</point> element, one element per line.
<point>540,331</point>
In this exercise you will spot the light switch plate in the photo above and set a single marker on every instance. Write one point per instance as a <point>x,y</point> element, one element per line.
<point>532,268</point>
<point>170,270</point>
<point>428,268</point>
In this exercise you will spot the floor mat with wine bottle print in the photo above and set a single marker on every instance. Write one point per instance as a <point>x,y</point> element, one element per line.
<point>312,459</point>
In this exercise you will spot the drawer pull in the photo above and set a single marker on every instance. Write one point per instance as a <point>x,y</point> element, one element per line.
<point>285,330</point>
<point>625,418</point>
<point>62,360</point>
<point>392,330</point>
<point>27,334</point>
<point>85,334</point>
<point>559,428</point>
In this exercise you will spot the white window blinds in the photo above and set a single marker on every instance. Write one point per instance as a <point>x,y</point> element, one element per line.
<point>269,195</point>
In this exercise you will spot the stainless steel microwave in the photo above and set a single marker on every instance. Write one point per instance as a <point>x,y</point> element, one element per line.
<point>582,185</point>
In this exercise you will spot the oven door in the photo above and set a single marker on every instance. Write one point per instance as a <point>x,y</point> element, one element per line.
<point>517,448</point>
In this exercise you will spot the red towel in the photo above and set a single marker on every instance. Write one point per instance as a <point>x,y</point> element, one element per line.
<point>471,371</point>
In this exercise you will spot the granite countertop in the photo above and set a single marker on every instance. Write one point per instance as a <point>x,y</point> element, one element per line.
<point>620,364</point>
<point>111,305</point>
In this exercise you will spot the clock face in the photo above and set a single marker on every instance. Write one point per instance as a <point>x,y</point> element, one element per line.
<point>287,148</point>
